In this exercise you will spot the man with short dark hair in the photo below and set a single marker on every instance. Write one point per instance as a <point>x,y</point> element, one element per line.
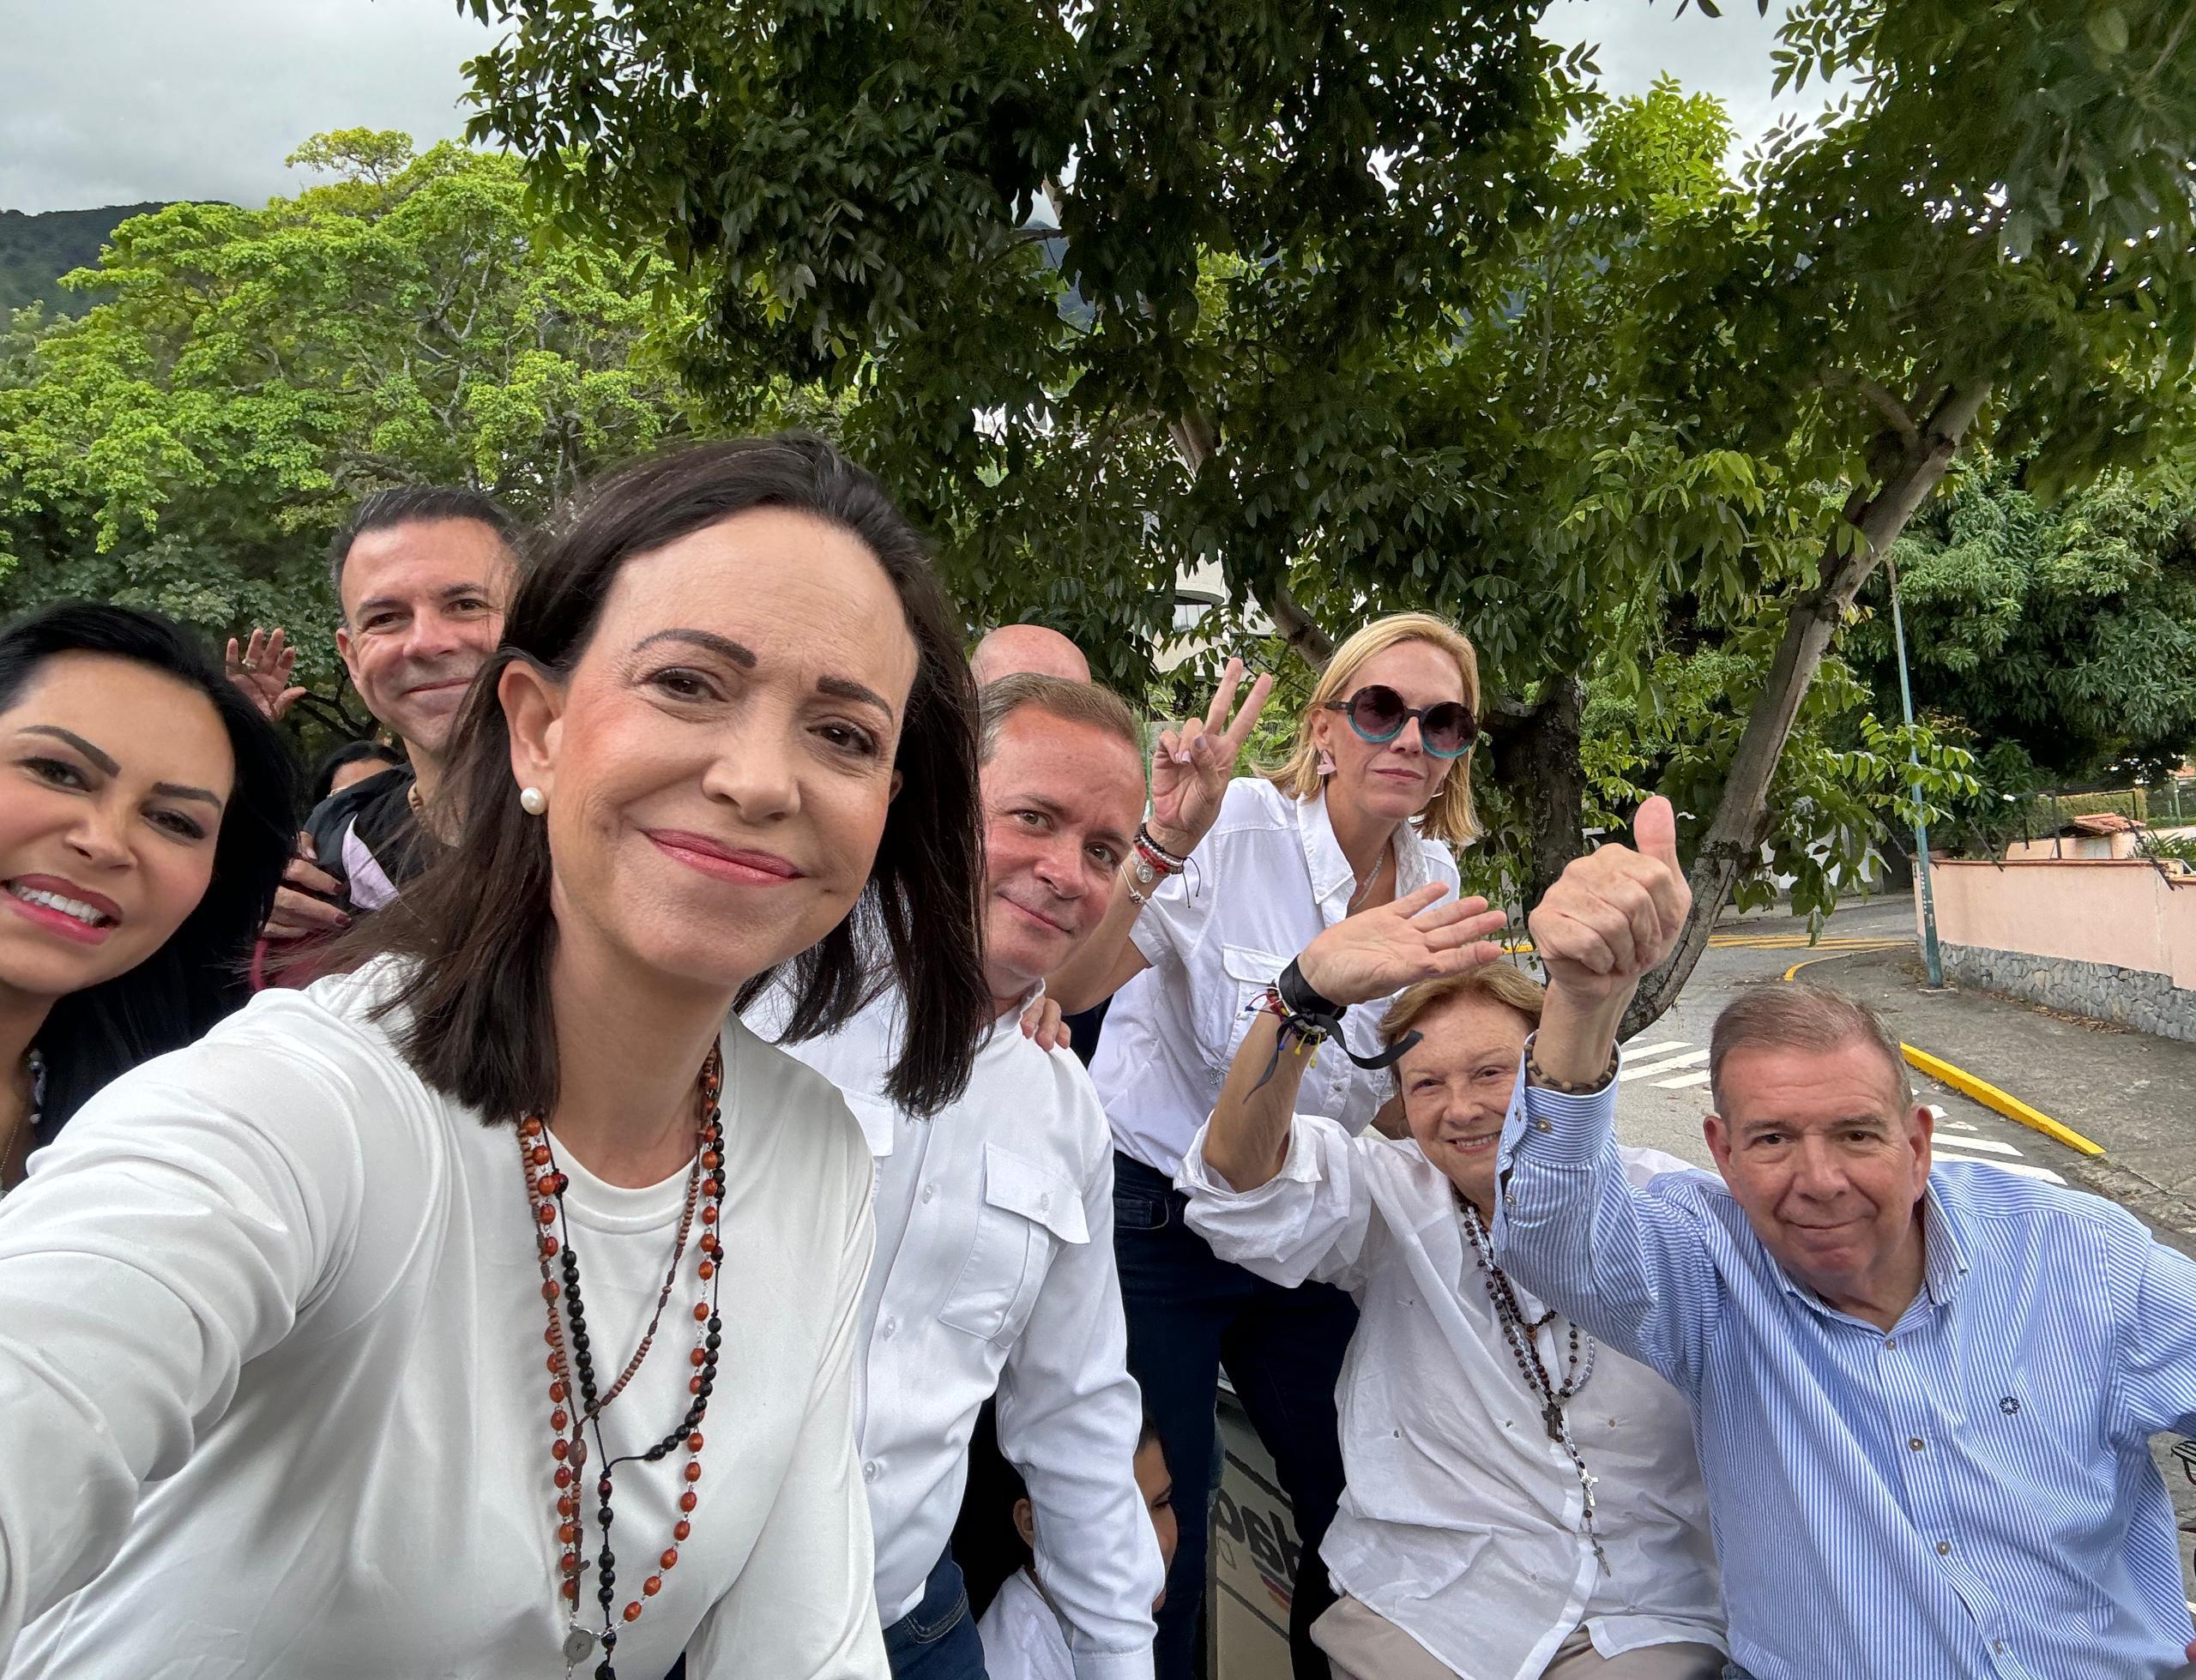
<point>1924,1399</point>
<point>423,575</point>
<point>994,1266</point>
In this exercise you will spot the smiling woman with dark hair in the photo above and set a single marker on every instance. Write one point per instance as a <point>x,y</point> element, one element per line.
<point>489,1311</point>
<point>144,820</point>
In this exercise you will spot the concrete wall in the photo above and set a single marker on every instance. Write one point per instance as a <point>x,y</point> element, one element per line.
<point>2109,938</point>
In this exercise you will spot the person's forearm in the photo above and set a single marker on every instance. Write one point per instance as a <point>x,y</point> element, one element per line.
<point>1247,1139</point>
<point>1577,1035</point>
<point>1108,960</point>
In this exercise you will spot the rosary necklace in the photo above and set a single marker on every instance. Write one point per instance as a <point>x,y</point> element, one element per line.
<point>577,1405</point>
<point>1523,1348</point>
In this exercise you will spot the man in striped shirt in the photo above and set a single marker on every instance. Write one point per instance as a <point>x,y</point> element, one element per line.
<point>1923,1400</point>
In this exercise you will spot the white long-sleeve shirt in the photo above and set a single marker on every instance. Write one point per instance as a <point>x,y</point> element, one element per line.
<point>1022,1636</point>
<point>1460,1520</point>
<point>273,1389</point>
<point>995,1272</point>
<point>1268,879</point>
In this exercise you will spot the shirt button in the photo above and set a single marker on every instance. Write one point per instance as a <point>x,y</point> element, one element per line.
<point>1915,1443</point>
<point>893,1324</point>
<point>929,1190</point>
<point>869,1470</point>
<point>1998,1646</point>
<point>1044,1202</point>
<point>1943,1547</point>
<point>1542,1126</point>
<point>1891,1342</point>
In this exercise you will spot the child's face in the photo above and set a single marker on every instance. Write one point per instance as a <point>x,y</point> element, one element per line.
<point>1157,1488</point>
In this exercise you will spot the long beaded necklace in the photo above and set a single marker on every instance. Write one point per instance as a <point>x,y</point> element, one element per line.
<point>1521,1336</point>
<point>570,1361</point>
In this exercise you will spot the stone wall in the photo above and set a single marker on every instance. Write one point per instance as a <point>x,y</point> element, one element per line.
<point>2141,998</point>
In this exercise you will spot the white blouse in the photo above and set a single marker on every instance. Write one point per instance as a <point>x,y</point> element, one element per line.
<point>1268,880</point>
<point>274,1397</point>
<point>1460,1520</point>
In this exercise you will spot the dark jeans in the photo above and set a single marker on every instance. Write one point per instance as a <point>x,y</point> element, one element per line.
<point>1189,1314</point>
<point>937,1640</point>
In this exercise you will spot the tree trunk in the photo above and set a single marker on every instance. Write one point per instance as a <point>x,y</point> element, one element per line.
<point>1536,758</point>
<point>1735,834</point>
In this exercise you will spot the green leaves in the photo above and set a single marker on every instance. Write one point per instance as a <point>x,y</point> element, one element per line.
<point>191,442</point>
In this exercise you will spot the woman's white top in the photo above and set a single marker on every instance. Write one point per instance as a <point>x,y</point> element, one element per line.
<point>274,1391</point>
<point>1268,879</point>
<point>1022,1636</point>
<point>1460,1520</point>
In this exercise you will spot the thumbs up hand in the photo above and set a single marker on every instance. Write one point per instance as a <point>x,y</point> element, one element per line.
<point>1615,913</point>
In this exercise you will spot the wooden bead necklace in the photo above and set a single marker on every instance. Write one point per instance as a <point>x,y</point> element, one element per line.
<point>570,1363</point>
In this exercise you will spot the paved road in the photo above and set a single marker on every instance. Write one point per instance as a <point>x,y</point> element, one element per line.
<point>1665,1094</point>
<point>2134,1094</point>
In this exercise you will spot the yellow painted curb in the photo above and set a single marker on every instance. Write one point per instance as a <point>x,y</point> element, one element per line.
<point>1992,1098</point>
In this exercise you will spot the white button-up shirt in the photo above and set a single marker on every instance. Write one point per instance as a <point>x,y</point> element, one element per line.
<point>1268,879</point>
<point>1460,1520</point>
<point>1022,1636</point>
<point>994,1272</point>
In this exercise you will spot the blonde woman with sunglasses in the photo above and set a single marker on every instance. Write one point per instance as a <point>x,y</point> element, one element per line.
<point>1229,877</point>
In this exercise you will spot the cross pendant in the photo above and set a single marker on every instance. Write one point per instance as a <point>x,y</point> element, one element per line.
<point>1552,1420</point>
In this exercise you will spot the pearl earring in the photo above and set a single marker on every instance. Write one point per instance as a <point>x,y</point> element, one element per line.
<point>1326,762</point>
<point>532,801</point>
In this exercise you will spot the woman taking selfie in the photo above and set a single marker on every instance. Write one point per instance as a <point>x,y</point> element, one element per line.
<point>144,818</point>
<point>1379,779</point>
<point>487,1311</point>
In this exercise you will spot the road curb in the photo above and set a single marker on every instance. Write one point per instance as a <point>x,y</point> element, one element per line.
<point>2003,1102</point>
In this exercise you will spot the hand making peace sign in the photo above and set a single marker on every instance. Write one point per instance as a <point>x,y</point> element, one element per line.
<point>1191,766</point>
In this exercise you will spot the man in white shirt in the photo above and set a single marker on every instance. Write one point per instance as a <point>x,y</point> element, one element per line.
<point>1519,1501</point>
<point>994,1268</point>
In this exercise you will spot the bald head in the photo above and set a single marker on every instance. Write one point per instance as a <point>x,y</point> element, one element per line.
<point>1018,647</point>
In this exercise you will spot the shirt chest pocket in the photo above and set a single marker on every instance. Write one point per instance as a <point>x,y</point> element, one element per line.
<point>1029,1210</point>
<point>1249,972</point>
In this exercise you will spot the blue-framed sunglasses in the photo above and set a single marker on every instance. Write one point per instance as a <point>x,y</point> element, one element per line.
<point>1378,714</point>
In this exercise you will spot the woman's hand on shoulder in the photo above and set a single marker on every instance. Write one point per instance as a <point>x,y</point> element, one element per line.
<point>1378,952</point>
<point>1192,765</point>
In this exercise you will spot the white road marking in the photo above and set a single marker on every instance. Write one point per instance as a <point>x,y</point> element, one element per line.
<point>1987,1146</point>
<point>1637,1050</point>
<point>1682,1080</point>
<point>1668,1064</point>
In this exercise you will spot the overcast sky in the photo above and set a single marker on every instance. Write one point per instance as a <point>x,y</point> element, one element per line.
<point>118,101</point>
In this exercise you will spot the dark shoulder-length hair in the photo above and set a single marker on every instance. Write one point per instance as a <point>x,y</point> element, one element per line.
<point>477,1022</point>
<point>198,976</point>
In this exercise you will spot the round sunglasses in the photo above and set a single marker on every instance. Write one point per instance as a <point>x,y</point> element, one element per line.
<point>1376,713</point>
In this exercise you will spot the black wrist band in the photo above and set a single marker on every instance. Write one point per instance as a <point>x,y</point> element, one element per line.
<point>1323,1015</point>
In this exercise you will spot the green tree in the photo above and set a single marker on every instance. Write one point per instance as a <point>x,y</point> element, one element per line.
<point>1308,290</point>
<point>2058,640</point>
<point>1295,239</point>
<point>190,443</point>
<point>1991,240</point>
<point>1098,291</point>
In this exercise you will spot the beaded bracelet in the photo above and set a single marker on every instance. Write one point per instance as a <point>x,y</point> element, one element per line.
<point>1535,1074</point>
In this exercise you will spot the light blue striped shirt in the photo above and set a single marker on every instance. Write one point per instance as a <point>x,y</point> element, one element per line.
<point>1967,1497</point>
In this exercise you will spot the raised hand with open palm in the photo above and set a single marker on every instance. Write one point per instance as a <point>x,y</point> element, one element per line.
<point>1378,952</point>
